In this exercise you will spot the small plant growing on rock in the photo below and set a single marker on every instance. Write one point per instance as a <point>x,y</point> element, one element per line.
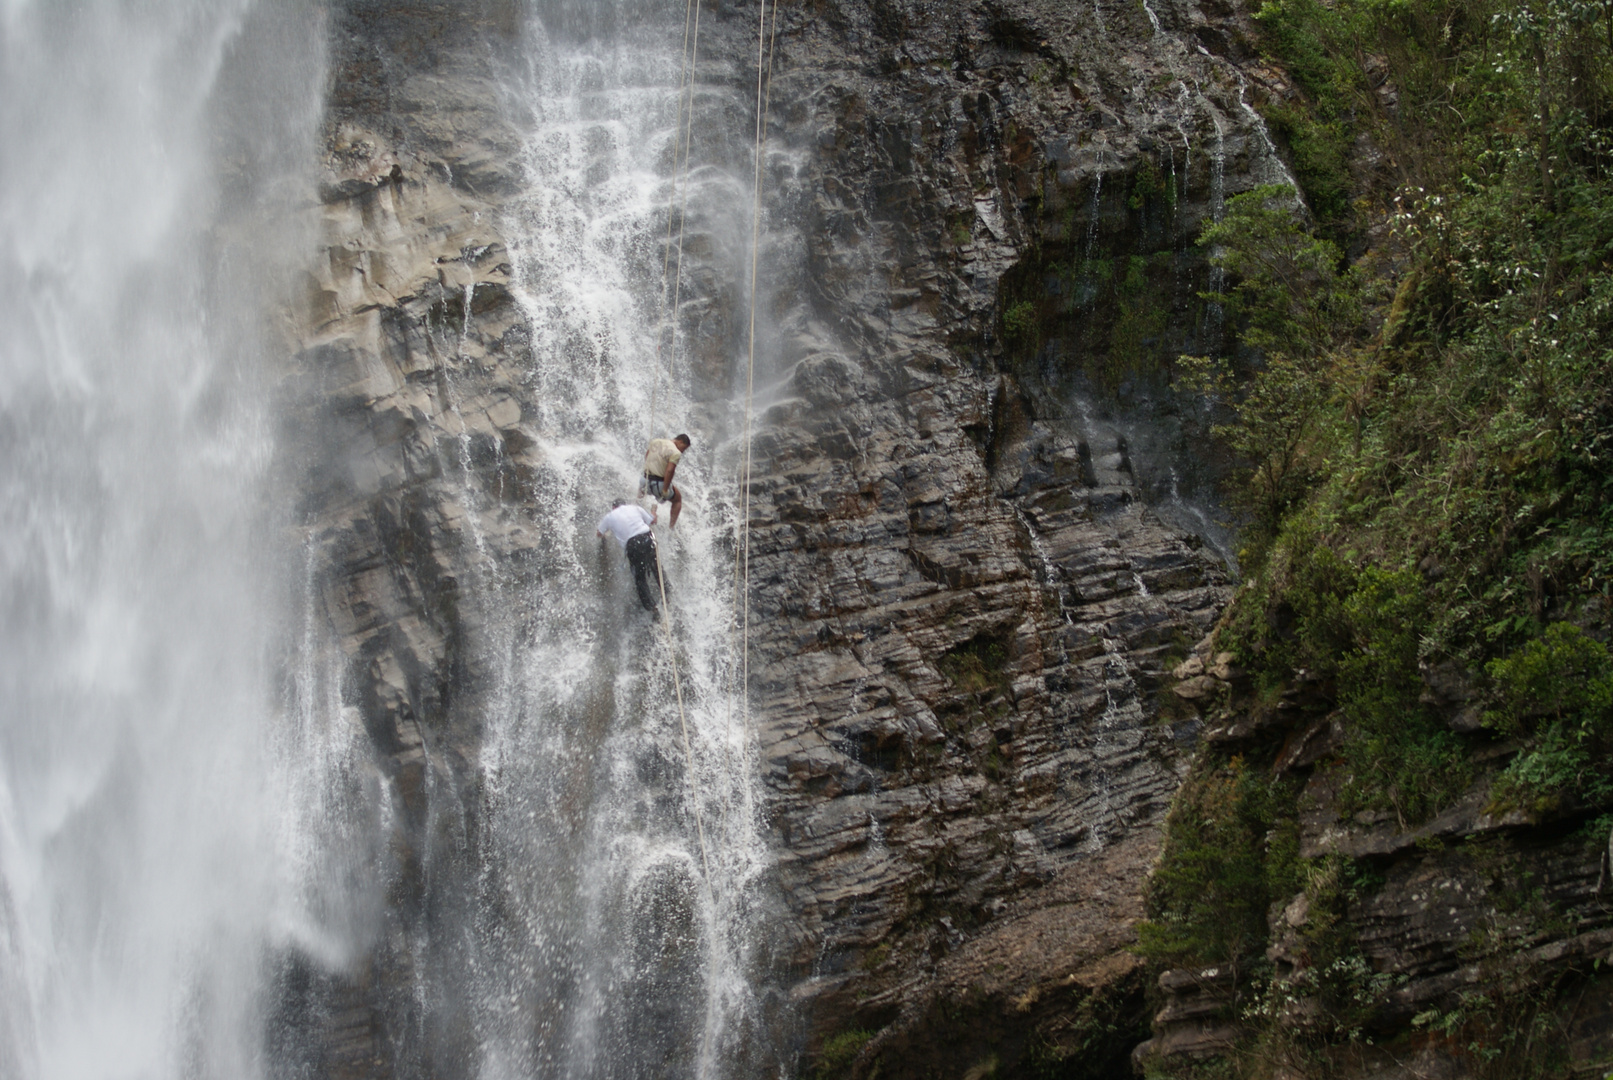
<point>1019,324</point>
<point>977,666</point>
<point>1234,848</point>
<point>838,1052</point>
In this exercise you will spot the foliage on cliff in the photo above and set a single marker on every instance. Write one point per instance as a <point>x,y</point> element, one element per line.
<point>1426,431</point>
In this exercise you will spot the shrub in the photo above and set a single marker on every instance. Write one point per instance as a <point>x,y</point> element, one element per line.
<point>1233,849</point>
<point>1020,324</point>
<point>1558,687</point>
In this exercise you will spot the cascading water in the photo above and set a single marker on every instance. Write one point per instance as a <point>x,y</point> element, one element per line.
<point>1153,19</point>
<point>170,767</point>
<point>190,826</point>
<point>617,916</point>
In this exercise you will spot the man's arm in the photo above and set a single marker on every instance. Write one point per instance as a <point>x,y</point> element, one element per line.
<point>671,467</point>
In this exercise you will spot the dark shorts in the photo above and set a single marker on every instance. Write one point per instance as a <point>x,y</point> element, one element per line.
<point>656,487</point>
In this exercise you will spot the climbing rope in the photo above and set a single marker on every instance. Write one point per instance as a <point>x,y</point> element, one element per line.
<point>764,101</point>
<point>679,195</point>
<point>677,201</point>
<point>677,204</point>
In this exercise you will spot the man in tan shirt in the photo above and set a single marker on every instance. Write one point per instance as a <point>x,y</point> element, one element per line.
<point>660,462</point>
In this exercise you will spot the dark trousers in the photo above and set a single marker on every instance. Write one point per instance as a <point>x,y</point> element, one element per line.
<point>646,571</point>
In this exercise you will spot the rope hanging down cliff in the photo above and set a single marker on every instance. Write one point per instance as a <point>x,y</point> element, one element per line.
<point>764,83</point>
<point>677,201</point>
<point>764,101</point>
<point>691,34</point>
<point>739,638</point>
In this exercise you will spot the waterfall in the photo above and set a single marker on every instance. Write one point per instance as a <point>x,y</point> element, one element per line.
<point>1153,19</point>
<point>618,914</point>
<point>162,791</point>
<point>191,821</point>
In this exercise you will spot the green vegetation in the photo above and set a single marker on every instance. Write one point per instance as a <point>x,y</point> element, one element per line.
<point>1425,446</point>
<point>1292,303</point>
<point>1019,324</point>
<point>1558,689</point>
<point>1313,608</point>
<point>1148,186</point>
<point>1106,316</point>
<point>1508,1036</point>
<point>1083,308</point>
<point>1139,321</point>
<point>1234,846</point>
<point>1088,1039</point>
<point>1319,132</point>
<point>838,1052</point>
<point>977,666</point>
<point>1426,477</point>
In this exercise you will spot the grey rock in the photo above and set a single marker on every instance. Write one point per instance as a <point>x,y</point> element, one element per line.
<point>1199,1018</point>
<point>1321,739</point>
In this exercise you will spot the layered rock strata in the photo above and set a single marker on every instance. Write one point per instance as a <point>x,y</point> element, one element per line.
<point>963,599</point>
<point>965,604</point>
<point>1485,919</point>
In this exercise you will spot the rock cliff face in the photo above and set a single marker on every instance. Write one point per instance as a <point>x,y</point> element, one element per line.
<point>418,155</point>
<point>969,568</point>
<point>966,600</point>
<point>1483,920</point>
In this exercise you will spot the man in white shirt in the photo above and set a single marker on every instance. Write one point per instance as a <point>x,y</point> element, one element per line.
<point>630,524</point>
<point>661,459</point>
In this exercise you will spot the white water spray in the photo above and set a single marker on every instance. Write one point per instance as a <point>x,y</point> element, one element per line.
<point>161,791</point>
<point>622,956</point>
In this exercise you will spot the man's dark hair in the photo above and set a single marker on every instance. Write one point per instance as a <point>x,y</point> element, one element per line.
<point>684,439</point>
<point>614,503</point>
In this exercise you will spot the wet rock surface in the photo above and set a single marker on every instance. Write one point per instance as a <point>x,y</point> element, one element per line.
<point>407,381</point>
<point>967,596</point>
